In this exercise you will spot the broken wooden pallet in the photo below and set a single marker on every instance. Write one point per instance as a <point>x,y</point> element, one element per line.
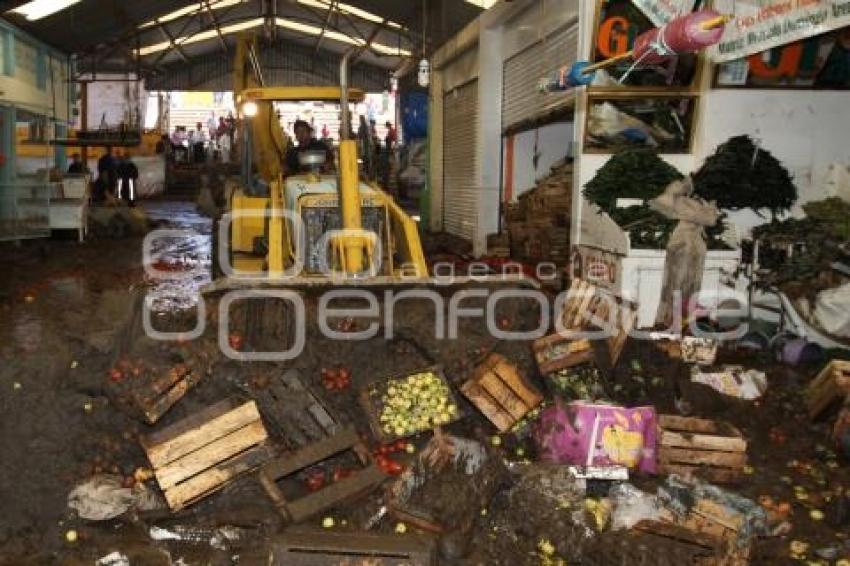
<point>324,548</point>
<point>294,414</point>
<point>500,392</point>
<point>708,449</point>
<point>162,392</point>
<point>587,306</point>
<point>200,454</point>
<point>831,385</point>
<point>557,351</point>
<point>358,483</point>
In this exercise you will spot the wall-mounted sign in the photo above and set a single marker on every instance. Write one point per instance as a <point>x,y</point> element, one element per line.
<point>759,25</point>
<point>662,11</point>
<point>822,61</point>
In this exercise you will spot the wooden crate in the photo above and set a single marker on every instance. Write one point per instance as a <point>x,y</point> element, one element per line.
<point>200,454</point>
<point>696,546</point>
<point>370,398</point>
<point>294,414</point>
<point>499,391</point>
<point>163,392</point>
<point>359,482</point>
<point>334,548</point>
<point>585,303</point>
<point>832,384</point>
<point>559,351</point>
<point>714,451</point>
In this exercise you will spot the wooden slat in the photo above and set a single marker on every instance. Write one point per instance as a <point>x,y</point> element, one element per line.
<point>719,475</point>
<point>670,455</point>
<point>692,424</point>
<point>154,409</point>
<point>706,441</point>
<point>217,451</point>
<point>214,478</point>
<point>338,492</point>
<point>291,462</point>
<point>197,431</point>
<point>511,376</point>
<point>487,405</point>
<point>503,395</point>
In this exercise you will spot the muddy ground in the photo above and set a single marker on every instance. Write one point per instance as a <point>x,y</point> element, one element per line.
<point>71,314</point>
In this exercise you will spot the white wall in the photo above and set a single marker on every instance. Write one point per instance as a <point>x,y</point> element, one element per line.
<point>806,130</point>
<point>113,99</point>
<point>553,143</point>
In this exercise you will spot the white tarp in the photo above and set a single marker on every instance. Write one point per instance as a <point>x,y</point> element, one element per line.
<point>660,12</point>
<point>759,25</point>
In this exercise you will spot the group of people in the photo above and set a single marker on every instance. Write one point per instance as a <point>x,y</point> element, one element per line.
<point>376,159</point>
<point>195,145</point>
<point>117,176</point>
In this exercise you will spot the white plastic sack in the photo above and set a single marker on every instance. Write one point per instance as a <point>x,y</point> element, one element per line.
<point>100,498</point>
<point>734,381</point>
<point>832,311</point>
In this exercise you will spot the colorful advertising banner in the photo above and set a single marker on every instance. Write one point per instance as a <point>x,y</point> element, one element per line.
<point>662,11</point>
<point>759,25</point>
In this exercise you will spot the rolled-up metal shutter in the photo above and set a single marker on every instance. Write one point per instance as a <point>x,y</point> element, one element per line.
<point>460,161</point>
<point>521,99</point>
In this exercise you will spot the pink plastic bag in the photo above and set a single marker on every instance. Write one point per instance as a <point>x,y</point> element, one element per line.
<point>618,436</point>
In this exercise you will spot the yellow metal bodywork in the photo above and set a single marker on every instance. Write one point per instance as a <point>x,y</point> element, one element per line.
<point>299,93</point>
<point>353,249</point>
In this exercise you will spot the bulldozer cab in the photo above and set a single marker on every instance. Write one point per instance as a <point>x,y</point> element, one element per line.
<point>313,227</point>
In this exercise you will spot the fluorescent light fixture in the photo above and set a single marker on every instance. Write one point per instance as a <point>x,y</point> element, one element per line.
<point>190,9</point>
<point>341,37</point>
<point>201,36</point>
<point>350,10</point>
<point>38,9</point>
<point>281,22</point>
<point>485,4</point>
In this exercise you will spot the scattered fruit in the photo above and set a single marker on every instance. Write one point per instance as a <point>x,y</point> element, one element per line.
<point>400,528</point>
<point>816,515</point>
<point>16,385</point>
<point>749,470</point>
<point>235,340</point>
<point>415,403</point>
<point>74,364</point>
<point>88,406</point>
<point>496,440</point>
<point>336,379</point>
<point>71,536</point>
<point>315,481</point>
<point>546,547</point>
<point>328,522</point>
<point>142,475</point>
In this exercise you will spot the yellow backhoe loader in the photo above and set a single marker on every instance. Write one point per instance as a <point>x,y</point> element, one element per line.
<point>305,229</point>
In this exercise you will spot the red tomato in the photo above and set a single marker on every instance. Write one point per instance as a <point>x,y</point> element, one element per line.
<point>344,373</point>
<point>315,481</point>
<point>235,340</point>
<point>400,445</point>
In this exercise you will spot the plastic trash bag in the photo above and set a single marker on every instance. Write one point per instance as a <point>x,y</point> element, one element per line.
<point>686,249</point>
<point>631,506</point>
<point>102,497</point>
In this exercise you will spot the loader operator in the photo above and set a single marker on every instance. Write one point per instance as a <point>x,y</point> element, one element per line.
<point>306,142</point>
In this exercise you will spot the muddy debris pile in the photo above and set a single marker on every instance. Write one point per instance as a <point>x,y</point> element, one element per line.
<point>561,451</point>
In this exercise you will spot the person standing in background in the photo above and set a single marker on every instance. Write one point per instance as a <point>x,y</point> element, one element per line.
<point>364,143</point>
<point>212,126</point>
<point>326,133</point>
<point>128,177</point>
<point>107,169</point>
